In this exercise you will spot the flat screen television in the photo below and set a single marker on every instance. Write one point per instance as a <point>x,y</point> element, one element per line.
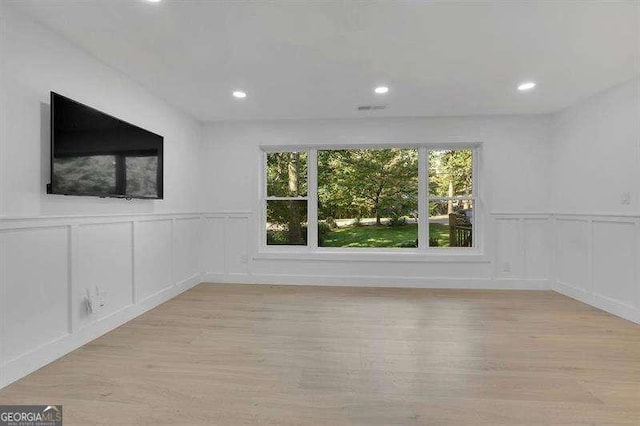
<point>95,154</point>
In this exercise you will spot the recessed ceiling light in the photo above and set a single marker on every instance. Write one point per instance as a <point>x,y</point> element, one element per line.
<point>526,86</point>
<point>381,90</point>
<point>239,94</point>
<point>154,1</point>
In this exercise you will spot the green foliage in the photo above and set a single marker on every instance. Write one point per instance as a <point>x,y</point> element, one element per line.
<point>286,177</point>
<point>438,235</point>
<point>367,182</point>
<point>323,230</point>
<point>372,236</point>
<point>287,217</point>
<point>331,222</point>
<point>410,244</point>
<point>287,174</point>
<point>360,183</point>
<point>450,170</point>
<point>275,238</point>
<point>385,236</point>
<point>397,221</point>
<point>283,237</point>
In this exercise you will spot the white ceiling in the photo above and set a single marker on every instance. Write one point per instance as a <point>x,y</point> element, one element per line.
<point>321,59</point>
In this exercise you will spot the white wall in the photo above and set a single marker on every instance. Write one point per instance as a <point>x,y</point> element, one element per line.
<point>34,62</point>
<point>596,153</point>
<point>552,190</point>
<point>54,248</point>
<point>595,159</point>
<point>514,179</point>
<point>514,153</point>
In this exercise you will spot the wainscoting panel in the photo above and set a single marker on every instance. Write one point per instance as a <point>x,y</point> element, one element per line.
<point>213,245</point>
<point>522,244</point>
<point>36,276</point>
<point>236,241</point>
<point>153,256</point>
<point>47,265</point>
<point>507,238</point>
<point>508,262</point>
<point>614,250</point>
<point>187,247</point>
<point>597,261</point>
<point>573,239</point>
<point>139,261</point>
<point>537,247</point>
<point>104,263</point>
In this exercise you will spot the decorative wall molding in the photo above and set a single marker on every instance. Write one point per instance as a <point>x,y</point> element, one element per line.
<point>245,264</point>
<point>49,351</point>
<point>143,260</point>
<point>597,261</point>
<point>47,264</point>
<point>523,251</point>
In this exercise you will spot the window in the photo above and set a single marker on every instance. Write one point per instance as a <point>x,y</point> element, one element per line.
<point>286,198</point>
<point>451,198</point>
<point>393,198</point>
<point>368,198</point>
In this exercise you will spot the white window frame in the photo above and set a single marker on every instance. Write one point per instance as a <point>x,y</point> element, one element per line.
<point>265,197</point>
<point>475,150</point>
<point>312,252</point>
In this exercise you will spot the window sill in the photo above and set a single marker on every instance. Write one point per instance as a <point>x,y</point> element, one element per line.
<point>472,256</point>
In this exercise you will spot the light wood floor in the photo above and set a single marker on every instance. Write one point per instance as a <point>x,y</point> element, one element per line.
<point>234,354</point>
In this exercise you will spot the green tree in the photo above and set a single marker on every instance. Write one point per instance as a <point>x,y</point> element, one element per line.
<point>287,174</point>
<point>367,181</point>
<point>287,177</point>
<point>450,174</point>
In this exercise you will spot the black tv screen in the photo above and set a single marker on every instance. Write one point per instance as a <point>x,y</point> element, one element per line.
<point>93,153</point>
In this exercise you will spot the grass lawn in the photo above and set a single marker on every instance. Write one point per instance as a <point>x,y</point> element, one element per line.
<point>383,236</point>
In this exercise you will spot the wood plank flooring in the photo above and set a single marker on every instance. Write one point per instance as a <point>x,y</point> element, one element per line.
<point>286,355</point>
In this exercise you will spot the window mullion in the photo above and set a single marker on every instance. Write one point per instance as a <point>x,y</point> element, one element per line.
<point>263,188</point>
<point>312,199</point>
<point>263,200</point>
<point>423,195</point>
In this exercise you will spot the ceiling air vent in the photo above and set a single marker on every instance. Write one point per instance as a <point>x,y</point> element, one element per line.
<point>371,107</point>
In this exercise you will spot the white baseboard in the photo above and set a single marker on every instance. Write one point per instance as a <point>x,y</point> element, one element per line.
<point>606,304</point>
<point>37,358</point>
<point>379,281</point>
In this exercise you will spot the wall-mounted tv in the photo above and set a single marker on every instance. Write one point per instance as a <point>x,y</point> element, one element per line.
<point>95,154</point>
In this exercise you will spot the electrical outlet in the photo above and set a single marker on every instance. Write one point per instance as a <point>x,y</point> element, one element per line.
<point>244,259</point>
<point>506,267</point>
